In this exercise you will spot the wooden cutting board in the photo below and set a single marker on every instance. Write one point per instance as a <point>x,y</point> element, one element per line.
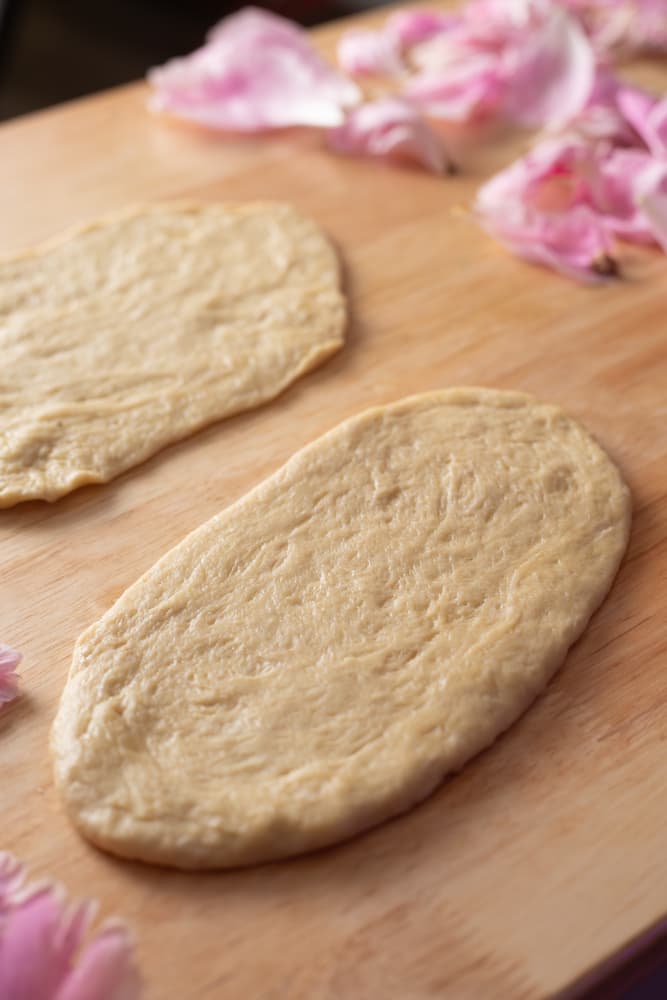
<point>546,855</point>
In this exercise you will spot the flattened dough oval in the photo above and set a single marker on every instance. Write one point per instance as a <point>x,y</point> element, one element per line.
<point>134,331</point>
<point>316,658</point>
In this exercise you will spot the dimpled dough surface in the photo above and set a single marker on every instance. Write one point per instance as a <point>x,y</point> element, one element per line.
<point>132,332</point>
<point>318,656</point>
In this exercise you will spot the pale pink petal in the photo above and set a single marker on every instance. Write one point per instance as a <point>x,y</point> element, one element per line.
<point>604,115</point>
<point>11,876</point>
<point>32,967</point>
<point>555,176</point>
<point>616,195</point>
<point>526,60</point>
<point>647,115</point>
<point>362,52</point>
<point>41,953</point>
<point>575,244</point>
<point>390,128</point>
<point>651,195</point>
<point>539,208</point>
<point>409,27</point>
<point>657,129</point>
<point>9,661</point>
<point>550,76</point>
<point>105,971</point>
<point>460,93</point>
<point>256,72</point>
<point>626,25</point>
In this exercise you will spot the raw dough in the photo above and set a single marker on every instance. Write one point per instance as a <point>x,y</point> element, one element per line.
<point>137,330</point>
<point>318,656</point>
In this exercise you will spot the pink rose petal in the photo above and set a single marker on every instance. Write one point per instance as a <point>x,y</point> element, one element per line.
<point>651,195</point>
<point>363,52</point>
<point>9,661</point>
<point>464,92</point>
<point>409,27</point>
<point>11,877</point>
<point>656,133</point>
<point>31,966</point>
<point>256,72</point>
<point>40,941</point>
<point>549,77</point>
<point>539,208</point>
<point>527,60</point>
<point>627,25</point>
<point>647,115</point>
<point>390,128</point>
<point>604,116</point>
<point>616,196</point>
<point>575,244</point>
<point>105,970</point>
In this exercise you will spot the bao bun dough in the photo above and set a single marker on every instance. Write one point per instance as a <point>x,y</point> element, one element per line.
<point>134,331</point>
<point>317,657</point>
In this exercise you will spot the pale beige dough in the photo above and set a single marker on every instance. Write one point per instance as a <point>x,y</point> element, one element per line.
<point>318,656</point>
<point>132,332</point>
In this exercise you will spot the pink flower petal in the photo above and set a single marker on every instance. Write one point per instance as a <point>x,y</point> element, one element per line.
<point>575,244</point>
<point>409,27</point>
<point>550,76</point>
<point>39,942</point>
<point>9,661</point>
<point>11,877</point>
<point>647,115</point>
<point>555,176</point>
<point>363,52</point>
<point>604,115</point>
<point>616,197</point>
<point>256,72</point>
<point>34,955</point>
<point>105,971</point>
<point>390,128</point>
<point>527,60</point>
<point>651,195</point>
<point>538,208</point>
<point>656,135</point>
<point>627,25</point>
<point>463,92</point>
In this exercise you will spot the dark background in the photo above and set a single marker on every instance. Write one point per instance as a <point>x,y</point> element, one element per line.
<point>55,50</point>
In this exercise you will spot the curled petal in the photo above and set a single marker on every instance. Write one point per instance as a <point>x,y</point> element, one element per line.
<point>647,115</point>
<point>105,970</point>
<point>540,208</point>
<point>555,176</point>
<point>409,27</point>
<point>363,52</point>
<point>617,199</point>
<point>526,60</point>
<point>32,962</point>
<point>550,77</point>
<point>9,661</point>
<point>11,877</point>
<point>257,71</point>
<point>651,195</point>
<point>463,92</point>
<point>625,25</point>
<point>604,116</point>
<point>575,244</point>
<point>391,128</point>
<point>42,955</point>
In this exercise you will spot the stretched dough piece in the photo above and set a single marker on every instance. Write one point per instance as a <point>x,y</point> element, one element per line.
<point>132,332</point>
<point>318,656</point>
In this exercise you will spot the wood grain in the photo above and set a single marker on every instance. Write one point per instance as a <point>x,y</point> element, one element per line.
<point>546,854</point>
